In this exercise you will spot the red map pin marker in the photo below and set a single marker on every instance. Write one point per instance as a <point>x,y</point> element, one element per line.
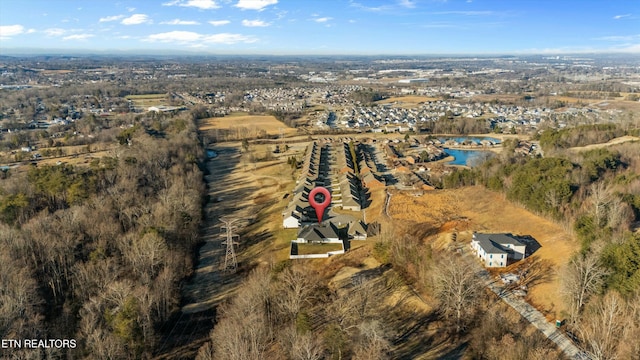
<point>320,207</point>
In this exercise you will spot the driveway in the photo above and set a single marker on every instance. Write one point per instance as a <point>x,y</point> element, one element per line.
<point>527,311</point>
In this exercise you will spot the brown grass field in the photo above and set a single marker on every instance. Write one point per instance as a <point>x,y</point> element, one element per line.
<point>267,123</point>
<point>408,101</point>
<point>147,100</point>
<point>487,211</point>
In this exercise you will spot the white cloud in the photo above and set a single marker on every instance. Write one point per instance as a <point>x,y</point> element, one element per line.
<point>357,5</point>
<point>227,38</point>
<point>55,32</point>
<point>175,36</point>
<point>190,37</point>
<point>619,38</point>
<point>111,18</point>
<point>78,37</point>
<point>200,4</point>
<point>255,23</point>
<point>407,4</point>
<point>180,22</point>
<point>626,48</point>
<point>219,22</point>
<point>136,19</point>
<point>255,4</point>
<point>30,31</point>
<point>7,31</point>
<point>618,17</point>
<point>633,48</point>
<point>322,19</point>
<point>131,9</point>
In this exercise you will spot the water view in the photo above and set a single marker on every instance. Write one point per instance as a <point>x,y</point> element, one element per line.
<point>468,157</point>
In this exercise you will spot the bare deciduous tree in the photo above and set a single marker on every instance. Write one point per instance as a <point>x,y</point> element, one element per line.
<point>582,278</point>
<point>243,331</point>
<point>19,300</point>
<point>301,345</point>
<point>619,215</point>
<point>296,285</point>
<point>372,344</point>
<point>457,287</point>
<point>600,199</point>
<point>602,326</point>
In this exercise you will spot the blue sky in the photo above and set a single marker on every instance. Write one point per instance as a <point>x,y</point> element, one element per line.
<point>323,26</point>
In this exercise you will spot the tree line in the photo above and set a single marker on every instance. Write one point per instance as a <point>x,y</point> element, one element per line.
<point>97,253</point>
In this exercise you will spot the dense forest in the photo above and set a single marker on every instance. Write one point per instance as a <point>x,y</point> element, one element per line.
<point>595,193</point>
<point>97,253</point>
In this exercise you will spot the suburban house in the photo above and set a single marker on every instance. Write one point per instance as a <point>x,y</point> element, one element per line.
<point>496,250</point>
<point>325,233</point>
<point>357,230</point>
<point>319,233</point>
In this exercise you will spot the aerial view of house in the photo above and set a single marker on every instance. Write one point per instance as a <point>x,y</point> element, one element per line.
<point>497,250</point>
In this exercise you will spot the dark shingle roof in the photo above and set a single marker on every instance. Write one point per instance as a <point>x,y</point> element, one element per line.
<point>493,243</point>
<point>317,233</point>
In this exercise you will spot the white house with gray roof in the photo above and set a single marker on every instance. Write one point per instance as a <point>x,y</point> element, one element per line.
<point>496,250</point>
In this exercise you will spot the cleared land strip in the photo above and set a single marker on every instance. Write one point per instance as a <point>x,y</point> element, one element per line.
<point>528,312</point>
<point>230,194</point>
<point>611,142</point>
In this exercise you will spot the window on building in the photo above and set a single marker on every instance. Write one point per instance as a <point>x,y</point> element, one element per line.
<point>491,256</point>
<point>502,256</point>
<point>490,263</point>
<point>500,263</point>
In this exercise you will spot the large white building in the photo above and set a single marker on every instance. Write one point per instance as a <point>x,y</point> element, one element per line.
<point>496,250</point>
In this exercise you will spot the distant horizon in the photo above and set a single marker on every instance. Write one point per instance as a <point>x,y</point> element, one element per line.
<point>334,27</point>
<point>27,52</point>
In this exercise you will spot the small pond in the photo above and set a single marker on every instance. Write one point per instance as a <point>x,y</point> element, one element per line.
<point>468,157</point>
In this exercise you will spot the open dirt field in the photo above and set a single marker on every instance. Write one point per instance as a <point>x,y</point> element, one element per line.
<point>486,211</point>
<point>255,123</point>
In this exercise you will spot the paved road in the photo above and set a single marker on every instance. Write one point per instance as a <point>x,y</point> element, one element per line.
<point>528,312</point>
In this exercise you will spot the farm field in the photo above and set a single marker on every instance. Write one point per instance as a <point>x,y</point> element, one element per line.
<point>252,123</point>
<point>408,101</point>
<point>148,100</point>
<point>486,211</point>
